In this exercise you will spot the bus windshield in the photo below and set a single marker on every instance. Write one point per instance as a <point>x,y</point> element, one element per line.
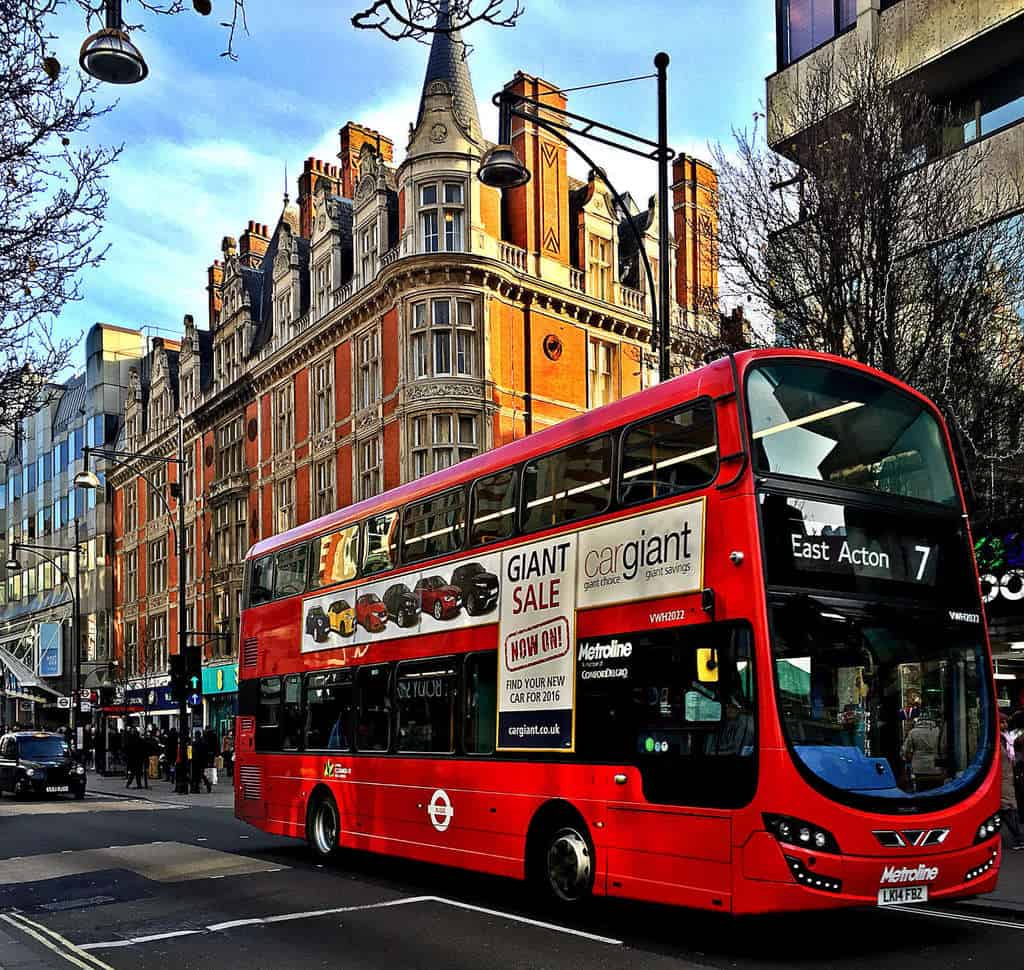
<point>881,704</point>
<point>835,425</point>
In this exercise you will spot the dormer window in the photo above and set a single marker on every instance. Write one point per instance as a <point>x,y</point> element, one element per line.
<point>442,213</point>
<point>284,307</point>
<point>322,278</point>
<point>368,251</point>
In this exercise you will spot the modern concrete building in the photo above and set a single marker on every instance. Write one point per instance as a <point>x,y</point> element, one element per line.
<point>968,55</point>
<point>39,505</point>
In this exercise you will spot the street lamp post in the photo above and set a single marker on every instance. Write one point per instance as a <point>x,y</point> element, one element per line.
<point>76,608</point>
<point>88,479</point>
<point>501,168</point>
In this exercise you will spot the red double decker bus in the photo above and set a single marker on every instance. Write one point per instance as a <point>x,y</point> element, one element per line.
<point>718,644</point>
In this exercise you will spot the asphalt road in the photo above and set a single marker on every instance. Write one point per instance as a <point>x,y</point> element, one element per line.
<point>121,883</point>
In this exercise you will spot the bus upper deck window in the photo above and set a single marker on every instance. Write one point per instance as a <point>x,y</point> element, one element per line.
<point>669,454</point>
<point>335,557</point>
<point>570,484</point>
<point>434,527</point>
<point>290,571</point>
<point>261,586</point>
<point>380,542</point>
<point>493,508</point>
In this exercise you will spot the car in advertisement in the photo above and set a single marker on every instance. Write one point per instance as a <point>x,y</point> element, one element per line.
<point>39,763</point>
<point>439,598</point>
<point>371,613</point>
<point>477,586</point>
<point>342,618</point>
<point>317,624</point>
<point>403,605</point>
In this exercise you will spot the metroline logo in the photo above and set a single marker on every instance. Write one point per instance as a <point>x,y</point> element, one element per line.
<point>605,651</point>
<point>922,873</point>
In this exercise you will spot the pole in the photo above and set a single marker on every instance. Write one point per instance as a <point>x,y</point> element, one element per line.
<point>76,636</point>
<point>664,359</point>
<point>181,780</point>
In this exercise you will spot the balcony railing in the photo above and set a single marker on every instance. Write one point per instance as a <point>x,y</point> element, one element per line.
<point>342,294</point>
<point>390,256</point>
<point>513,255</point>
<point>577,280</point>
<point>635,300</point>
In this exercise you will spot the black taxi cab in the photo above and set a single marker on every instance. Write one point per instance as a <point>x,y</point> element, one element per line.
<point>39,763</point>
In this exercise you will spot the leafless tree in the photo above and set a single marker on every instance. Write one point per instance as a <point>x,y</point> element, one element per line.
<point>874,239</point>
<point>52,203</point>
<point>418,19</point>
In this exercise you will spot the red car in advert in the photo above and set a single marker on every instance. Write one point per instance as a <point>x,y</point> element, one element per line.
<point>438,598</point>
<point>371,613</point>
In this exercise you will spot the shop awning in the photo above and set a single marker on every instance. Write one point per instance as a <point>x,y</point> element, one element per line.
<point>24,674</point>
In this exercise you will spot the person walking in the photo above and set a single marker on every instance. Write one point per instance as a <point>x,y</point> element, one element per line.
<point>134,755</point>
<point>1008,791</point>
<point>199,774</point>
<point>211,746</point>
<point>170,754</point>
<point>227,751</point>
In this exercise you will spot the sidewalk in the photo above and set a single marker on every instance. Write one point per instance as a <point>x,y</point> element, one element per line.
<point>222,796</point>
<point>1009,894</point>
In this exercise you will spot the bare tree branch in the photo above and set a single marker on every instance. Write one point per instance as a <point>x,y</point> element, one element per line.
<point>418,19</point>
<point>876,238</point>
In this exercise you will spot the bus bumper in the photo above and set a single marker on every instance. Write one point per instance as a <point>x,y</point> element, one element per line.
<point>780,878</point>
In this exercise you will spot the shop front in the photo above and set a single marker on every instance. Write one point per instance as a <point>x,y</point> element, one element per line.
<point>1000,555</point>
<point>220,697</point>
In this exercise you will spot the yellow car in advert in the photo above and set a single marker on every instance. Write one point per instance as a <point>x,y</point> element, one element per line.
<point>342,618</point>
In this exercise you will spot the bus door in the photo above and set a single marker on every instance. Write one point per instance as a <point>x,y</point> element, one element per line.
<point>676,707</point>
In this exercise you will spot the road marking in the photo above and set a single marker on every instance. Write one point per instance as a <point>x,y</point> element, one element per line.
<point>55,942</point>
<point>235,924</point>
<point>963,918</point>
<point>611,941</point>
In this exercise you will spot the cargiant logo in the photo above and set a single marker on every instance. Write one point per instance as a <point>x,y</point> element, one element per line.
<point>921,873</point>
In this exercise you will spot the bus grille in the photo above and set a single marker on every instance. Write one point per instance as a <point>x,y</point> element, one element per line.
<point>251,780</point>
<point>248,725</point>
<point>249,653</point>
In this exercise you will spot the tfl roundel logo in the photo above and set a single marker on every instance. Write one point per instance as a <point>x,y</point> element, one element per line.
<point>440,810</point>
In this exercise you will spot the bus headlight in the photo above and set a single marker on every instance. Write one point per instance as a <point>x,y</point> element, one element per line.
<point>988,828</point>
<point>795,831</point>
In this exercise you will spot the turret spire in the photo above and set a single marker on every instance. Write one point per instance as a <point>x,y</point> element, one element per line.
<point>448,63</point>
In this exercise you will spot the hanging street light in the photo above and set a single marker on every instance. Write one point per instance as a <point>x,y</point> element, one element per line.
<point>109,55</point>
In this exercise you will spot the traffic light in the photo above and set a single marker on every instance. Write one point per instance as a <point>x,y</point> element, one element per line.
<point>194,674</point>
<point>176,663</point>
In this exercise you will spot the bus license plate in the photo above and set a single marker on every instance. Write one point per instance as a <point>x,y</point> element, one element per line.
<point>56,789</point>
<point>899,895</point>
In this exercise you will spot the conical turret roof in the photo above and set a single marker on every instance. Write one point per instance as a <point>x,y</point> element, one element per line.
<point>448,63</point>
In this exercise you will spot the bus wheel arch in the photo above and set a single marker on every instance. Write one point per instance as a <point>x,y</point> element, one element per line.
<point>323,822</point>
<point>560,858</point>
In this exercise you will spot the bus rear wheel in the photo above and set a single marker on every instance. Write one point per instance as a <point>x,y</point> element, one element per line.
<point>564,866</point>
<point>323,826</point>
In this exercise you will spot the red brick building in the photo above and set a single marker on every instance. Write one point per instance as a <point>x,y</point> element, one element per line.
<point>394,320</point>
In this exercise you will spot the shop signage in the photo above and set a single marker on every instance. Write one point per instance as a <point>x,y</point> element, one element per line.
<point>222,679</point>
<point>50,650</point>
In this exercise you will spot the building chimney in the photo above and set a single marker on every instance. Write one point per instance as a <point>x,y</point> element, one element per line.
<point>694,222</point>
<point>252,244</point>
<point>214,279</point>
<point>353,137</point>
<point>313,171</point>
<point>538,212</point>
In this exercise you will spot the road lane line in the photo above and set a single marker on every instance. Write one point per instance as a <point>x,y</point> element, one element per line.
<point>529,922</point>
<point>340,910</point>
<point>64,948</point>
<point>963,918</point>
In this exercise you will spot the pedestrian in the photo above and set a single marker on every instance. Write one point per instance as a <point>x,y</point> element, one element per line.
<point>227,751</point>
<point>170,754</point>
<point>199,773</point>
<point>211,745</point>
<point>1008,790</point>
<point>134,756</point>
<point>100,752</point>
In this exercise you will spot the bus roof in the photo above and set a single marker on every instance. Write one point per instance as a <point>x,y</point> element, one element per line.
<point>712,379</point>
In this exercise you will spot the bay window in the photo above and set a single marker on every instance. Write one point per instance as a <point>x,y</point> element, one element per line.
<point>440,440</point>
<point>443,338</point>
<point>442,216</point>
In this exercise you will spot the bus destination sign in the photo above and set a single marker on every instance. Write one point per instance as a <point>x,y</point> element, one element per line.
<point>819,544</point>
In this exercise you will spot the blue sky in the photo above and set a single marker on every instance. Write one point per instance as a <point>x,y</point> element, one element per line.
<point>206,140</point>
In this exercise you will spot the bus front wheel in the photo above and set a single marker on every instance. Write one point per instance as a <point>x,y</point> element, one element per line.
<point>323,826</point>
<point>564,864</point>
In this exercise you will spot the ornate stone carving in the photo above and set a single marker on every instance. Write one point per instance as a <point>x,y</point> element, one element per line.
<point>438,133</point>
<point>433,389</point>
